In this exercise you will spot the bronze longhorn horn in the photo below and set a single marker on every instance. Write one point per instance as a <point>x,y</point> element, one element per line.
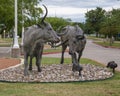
<point>42,21</point>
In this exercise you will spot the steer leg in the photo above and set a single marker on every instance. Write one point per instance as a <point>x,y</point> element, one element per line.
<point>30,65</point>
<point>25,64</point>
<point>76,66</point>
<point>74,61</point>
<point>63,51</point>
<point>79,55</point>
<point>38,63</point>
<point>39,58</point>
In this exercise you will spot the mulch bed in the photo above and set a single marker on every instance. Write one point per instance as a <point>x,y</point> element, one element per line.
<point>8,62</point>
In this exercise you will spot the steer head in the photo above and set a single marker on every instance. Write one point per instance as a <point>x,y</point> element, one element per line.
<point>49,34</point>
<point>79,33</point>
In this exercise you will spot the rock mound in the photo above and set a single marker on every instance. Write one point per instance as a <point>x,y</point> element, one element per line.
<point>56,73</point>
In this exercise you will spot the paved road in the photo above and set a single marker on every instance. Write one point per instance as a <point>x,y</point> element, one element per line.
<point>98,53</point>
<point>5,51</point>
<point>92,51</point>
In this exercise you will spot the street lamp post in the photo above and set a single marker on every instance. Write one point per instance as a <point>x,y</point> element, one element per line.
<point>4,34</point>
<point>21,47</point>
<point>15,49</point>
<point>15,35</point>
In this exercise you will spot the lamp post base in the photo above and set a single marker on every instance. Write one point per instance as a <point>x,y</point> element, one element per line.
<point>15,52</point>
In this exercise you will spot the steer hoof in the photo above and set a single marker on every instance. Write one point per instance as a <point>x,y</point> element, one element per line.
<point>30,68</point>
<point>26,73</point>
<point>80,69</point>
<point>39,69</point>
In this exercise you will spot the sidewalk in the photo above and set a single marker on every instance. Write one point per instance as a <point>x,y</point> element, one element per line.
<point>5,51</point>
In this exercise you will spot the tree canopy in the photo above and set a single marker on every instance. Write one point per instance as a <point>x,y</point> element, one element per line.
<point>103,22</point>
<point>57,22</point>
<point>94,19</point>
<point>30,9</point>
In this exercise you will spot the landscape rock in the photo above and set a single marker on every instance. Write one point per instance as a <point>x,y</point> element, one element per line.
<point>56,73</point>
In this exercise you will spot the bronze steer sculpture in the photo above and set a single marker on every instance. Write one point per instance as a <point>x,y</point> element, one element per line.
<point>72,36</point>
<point>34,38</point>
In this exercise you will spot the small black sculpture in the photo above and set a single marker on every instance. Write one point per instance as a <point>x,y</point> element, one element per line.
<point>112,65</point>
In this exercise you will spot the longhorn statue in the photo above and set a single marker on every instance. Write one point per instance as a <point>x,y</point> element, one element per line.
<point>72,36</point>
<point>34,39</point>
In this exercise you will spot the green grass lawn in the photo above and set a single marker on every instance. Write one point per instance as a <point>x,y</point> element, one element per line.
<point>107,44</point>
<point>52,50</point>
<point>109,87</point>
<point>7,42</point>
<point>100,41</point>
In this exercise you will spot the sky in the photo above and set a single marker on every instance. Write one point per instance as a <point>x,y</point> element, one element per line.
<point>76,9</point>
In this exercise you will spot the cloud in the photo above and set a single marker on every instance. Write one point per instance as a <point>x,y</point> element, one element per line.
<point>65,10</point>
<point>76,9</point>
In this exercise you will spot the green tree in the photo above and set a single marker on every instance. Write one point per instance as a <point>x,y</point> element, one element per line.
<point>31,13</point>
<point>7,13</point>
<point>111,24</point>
<point>94,19</point>
<point>116,19</point>
<point>57,22</point>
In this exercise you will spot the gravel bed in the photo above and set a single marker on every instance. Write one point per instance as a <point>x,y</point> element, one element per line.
<point>55,73</point>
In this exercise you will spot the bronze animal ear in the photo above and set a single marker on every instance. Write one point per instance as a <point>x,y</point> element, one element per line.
<point>40,26</point>
<point>76,27</point>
